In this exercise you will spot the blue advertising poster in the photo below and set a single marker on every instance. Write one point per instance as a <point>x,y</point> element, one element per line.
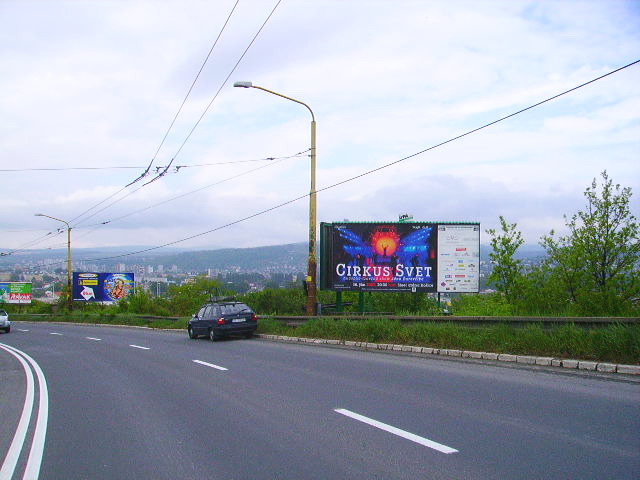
<point>102,287</point>
<point>384,257</point>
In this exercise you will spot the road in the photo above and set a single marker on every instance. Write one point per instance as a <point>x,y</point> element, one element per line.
<point>133,403</point>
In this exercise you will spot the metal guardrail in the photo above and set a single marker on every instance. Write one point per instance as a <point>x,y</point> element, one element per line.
<point>151,318</point>
<point>295,320</point>
<point>470,320</point>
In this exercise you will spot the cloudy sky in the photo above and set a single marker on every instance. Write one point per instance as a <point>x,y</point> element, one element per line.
<point>89,89</point>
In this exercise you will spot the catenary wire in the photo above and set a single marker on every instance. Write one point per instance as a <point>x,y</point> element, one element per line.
<point>272,161</point>
<point>368,172</point>
<point>131,193</point>
<point>233,177</point>
<point>144,174</point>
<point>226,80</point>
<point>142,186</point>
<point>194,127</point>
<point>137,167</point>
<point>194,82</point>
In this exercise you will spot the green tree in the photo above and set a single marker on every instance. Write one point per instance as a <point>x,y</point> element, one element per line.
<point>143,302</point>
<point>596,263</point>
<point>188,298</point>
<point>507,270</point>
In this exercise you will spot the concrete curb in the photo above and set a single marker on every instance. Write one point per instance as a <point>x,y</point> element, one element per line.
<point>502,357</point>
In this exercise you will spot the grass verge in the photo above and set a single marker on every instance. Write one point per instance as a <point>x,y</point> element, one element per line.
<point>611,343</point>
<point>105,319</point>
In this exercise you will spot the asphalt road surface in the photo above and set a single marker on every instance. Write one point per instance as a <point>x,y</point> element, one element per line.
<point>126,403</point>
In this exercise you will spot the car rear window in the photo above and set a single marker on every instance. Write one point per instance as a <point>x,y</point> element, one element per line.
<point>234,308</point>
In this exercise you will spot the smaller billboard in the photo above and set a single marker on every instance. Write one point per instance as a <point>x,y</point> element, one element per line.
<point>458,258</point>
<point>102,287</point>
<point>15,292</point>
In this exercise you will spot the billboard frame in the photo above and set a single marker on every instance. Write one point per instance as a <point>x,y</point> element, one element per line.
<point>439,248</point>
<point>102,287</point>
<point>16,293</point>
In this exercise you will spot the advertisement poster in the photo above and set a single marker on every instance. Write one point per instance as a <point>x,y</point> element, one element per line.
<point>458,258</point>
<point>378,256</point>
<point>400,257</point>
<point>15,292</point>
<point>102,287</point>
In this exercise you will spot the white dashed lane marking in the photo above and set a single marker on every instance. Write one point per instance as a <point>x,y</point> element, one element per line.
<point>396,431</point>
<point>206,364</point>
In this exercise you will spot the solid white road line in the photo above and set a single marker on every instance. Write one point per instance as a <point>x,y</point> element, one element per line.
<point>141,348</point>
<point>39,436</point>
<point>54,333</point>
<point>32,469</point>
<point>217,367</point>
<point>396,431</point>
<point>10,461</point>
<point>93,338</point>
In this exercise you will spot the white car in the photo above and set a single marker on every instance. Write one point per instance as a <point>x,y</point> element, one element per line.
<point>5,324</point>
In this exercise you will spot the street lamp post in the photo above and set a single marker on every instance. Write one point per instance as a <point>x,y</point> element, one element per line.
<point>311,272</point>
<point>69,267</point>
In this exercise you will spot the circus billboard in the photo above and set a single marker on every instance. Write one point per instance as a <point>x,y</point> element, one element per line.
<point>400,257</point>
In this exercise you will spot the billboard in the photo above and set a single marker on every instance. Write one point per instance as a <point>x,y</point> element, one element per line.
<point>15,292</point>
<point>458,258</point>
<point>102,287</point>
<point>400,257</point>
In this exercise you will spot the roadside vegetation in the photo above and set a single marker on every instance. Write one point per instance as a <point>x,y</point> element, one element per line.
<point>613,343</point>
<point>592,270</point>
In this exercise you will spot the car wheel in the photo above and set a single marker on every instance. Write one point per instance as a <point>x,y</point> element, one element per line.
<point>212,335</point>
<point>248,335</point>
<point>191,334</point>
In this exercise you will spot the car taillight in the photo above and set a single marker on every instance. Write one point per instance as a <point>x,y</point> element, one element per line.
<point>254,318</point>
<point>221,321</point>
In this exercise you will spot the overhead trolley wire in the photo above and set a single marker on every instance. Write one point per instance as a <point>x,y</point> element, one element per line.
<point>30,243</point>
<point>136,167</point>
<point>161,174</point>
<point>145,173</point>
<point>226,79</point>
<point>194,81</point>
<point>368,172</point>
<point>272,161</point>
<point>183,195</point>
<point>108,222</point>
<point>196,124</point>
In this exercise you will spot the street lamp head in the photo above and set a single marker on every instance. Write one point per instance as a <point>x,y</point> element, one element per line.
<point>38,215</point>
<point>243,84</point>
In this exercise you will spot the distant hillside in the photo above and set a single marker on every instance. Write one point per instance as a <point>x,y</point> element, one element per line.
<point>288,257</point>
